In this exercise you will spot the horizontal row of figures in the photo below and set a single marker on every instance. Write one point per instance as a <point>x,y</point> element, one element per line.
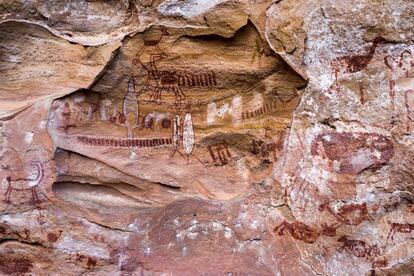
<point>77,110</point>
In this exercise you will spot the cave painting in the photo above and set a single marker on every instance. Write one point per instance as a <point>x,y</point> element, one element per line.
<point>220,154</point>
<point>130,109</point>
<point>304,232</point>
<point>298,230</point>
<point>17,179</point>
<point>354,63</point>
<point>399,228</point>
<point>124,142</point>
<point>186,138</point>
<point>193,110</point>
<point>310,234</point>
<point>159,81</point>
<point>362,249</point>
<point>268,148</point>
<point>350,214</point>
<point>351,153</point>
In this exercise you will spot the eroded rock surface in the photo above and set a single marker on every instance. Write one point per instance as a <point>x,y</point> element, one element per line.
<point>163,137</point>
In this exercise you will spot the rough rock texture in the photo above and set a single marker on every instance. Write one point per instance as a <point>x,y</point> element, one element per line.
<point>195,137</point>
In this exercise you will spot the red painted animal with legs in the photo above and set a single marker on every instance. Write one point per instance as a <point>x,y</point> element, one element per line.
<point>399,228</point>
<point>17,179</point>
<point>25,184</point>
<point>298,230</point>
<point>351,214</point>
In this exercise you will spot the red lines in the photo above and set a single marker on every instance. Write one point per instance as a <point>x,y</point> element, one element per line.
<point>187,79</point>
<point>260,111</point>
<point>124,142</point>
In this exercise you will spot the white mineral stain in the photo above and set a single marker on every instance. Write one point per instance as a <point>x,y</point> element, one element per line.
<point>192,235</point>
<point>147,251</point>
<point>225,108</point>
<point>179,236</point>
<point>257,101</point>
<point>79,98</point>
<point>14,220</point>
<point>242,169</point>
<point>176,222</point>
<point>377,154</point>
<point>184,251</point>
<point>186,9</point>
<point>42,124</point>
<point>217,226</point>
<point>336,165</point>
<point>254,225</point>
<point>318,177</point>
<point>14,59</point>
<point>327,137</point>
<point>237,109</point>
<point>211,113</point>
<point>228,233</point>
<point>192,232</point>
<point>132,155</point>
<point>28,137</point>
<point>361,159</point>
<point>68,244</point>
<point>133,226</point>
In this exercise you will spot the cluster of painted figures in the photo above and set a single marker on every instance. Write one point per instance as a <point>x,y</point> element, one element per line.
<point>353,215</point>
<point>400,75</point>
<point>183,139</point>
<point>400,80</point>
<point>159,81</point>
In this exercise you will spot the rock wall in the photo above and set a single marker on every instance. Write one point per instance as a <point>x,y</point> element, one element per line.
<point>193,137</point>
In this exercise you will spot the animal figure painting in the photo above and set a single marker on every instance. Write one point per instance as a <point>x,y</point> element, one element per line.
<point>24,184</point>
<point>17,177</point>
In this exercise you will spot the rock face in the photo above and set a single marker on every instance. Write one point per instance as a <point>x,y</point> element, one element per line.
<point>206,137</point>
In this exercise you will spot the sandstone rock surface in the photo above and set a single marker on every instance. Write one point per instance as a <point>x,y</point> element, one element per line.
<point>194,137</point>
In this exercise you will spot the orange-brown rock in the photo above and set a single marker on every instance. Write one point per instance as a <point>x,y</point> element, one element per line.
<point>195,137</point>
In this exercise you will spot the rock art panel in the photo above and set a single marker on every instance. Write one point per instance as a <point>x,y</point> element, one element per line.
<point>348,150</point>
<point>162,137</point>
<point>192,114</point>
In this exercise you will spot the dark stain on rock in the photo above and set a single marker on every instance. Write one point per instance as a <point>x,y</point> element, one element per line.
<point>52,237</point>
<point>91,263</point>
<point>354,151</point>
<point>80,258</point>
<point>10,265</point>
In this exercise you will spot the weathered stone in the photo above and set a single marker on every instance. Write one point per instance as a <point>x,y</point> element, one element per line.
<point>164,137</point>
<point>36,65</point>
